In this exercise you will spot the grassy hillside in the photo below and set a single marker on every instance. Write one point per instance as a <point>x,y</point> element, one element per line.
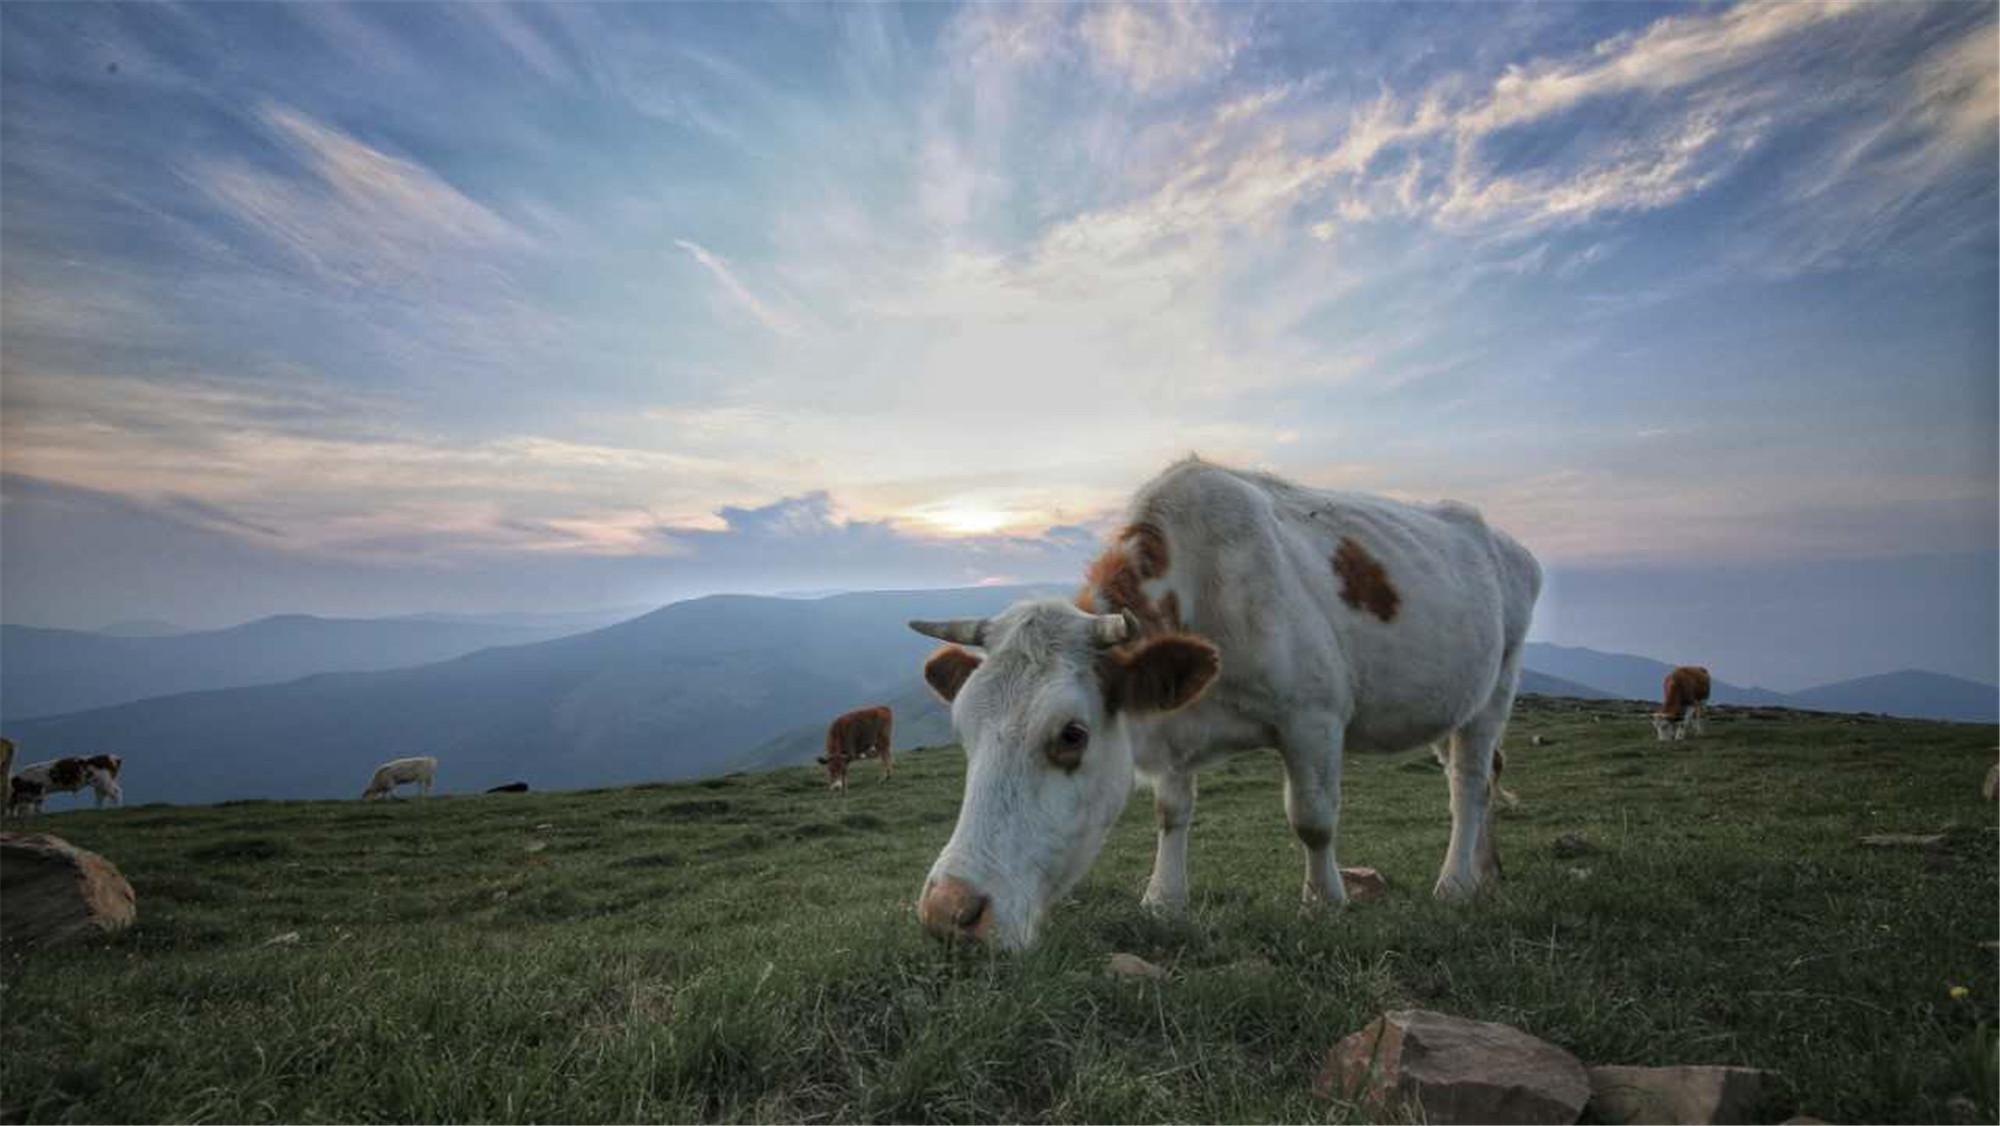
<point>744,948</point>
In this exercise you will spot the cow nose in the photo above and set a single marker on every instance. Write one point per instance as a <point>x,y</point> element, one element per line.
<point>954,909</point>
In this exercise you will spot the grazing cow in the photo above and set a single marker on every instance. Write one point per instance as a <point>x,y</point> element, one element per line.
<point>104,778</point>
<point>509,788</point>
<point>25,795</point>
<point>1233,611</point>
<point>421,769</point>
<point>1686,702</point>
<point>859,734</point>
<point>64,775</point>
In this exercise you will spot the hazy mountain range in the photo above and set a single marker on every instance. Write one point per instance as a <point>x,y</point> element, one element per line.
<point>695,688</point>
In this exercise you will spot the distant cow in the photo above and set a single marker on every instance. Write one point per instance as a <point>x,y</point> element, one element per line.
<point>861,733</point>
<point>1685,703</point>
<point>421,769</point>
<point>64,775</point>
<point>509,788</point>
<point>104,778</point>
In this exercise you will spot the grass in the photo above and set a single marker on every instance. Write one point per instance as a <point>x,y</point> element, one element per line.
<point>745,948</point>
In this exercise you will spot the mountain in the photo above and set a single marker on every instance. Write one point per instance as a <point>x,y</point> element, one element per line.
<point>142,627</point>
<point>1908,692</point>
<point>678,693</point>
<point>1626,677</point>
<point>51,671</point>
<point>1537,683</point>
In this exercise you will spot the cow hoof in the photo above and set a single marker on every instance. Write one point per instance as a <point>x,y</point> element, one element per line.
<point>1159,903</point>
<point>1455,890</point>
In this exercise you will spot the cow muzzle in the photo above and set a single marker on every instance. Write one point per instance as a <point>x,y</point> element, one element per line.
<point>955,911</point>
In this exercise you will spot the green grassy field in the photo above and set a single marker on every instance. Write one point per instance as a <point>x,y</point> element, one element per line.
<point>745,948</point>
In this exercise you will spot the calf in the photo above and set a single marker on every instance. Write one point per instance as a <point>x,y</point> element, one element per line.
<point>1685,703</point>
<point>1234,611</point>
<point>421,769</point>
<point>859,734</point>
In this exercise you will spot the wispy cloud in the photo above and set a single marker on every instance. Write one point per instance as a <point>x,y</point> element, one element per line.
<point>737,292</point>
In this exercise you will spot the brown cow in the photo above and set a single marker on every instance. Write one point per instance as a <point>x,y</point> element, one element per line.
<point>861,733</point>
<point>1685,704</point>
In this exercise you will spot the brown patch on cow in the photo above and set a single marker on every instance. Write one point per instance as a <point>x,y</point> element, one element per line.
<point>1685,687</point>
<point>1138,553</point>
<point>1364,585</point>
<point>947,669</point>
<point>1314,837</point>
<point>109,764</point>
<point>66,773</point>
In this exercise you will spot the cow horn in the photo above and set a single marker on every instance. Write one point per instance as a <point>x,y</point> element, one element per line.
<point>958,631</point>
<point>1114,629</point>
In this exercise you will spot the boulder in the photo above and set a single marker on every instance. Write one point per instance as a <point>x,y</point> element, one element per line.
<point>1697,1095</point>
<point>1364,884</point>
<point>52,891</point>
<point>1131,965</point>
<point>1445,1069</point>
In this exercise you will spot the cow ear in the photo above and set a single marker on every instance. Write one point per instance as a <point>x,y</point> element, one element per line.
<point>947,670</point>
<point>1164,673</point>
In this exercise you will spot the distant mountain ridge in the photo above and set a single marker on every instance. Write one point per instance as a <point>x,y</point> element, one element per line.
<point>702,687</point>
<point>1908,692</point>
<point>52,671</point>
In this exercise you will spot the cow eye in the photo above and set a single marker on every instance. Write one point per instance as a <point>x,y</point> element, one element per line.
<point>1067,749</point>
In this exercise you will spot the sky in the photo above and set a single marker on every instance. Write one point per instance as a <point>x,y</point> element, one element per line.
<point>393,308</point>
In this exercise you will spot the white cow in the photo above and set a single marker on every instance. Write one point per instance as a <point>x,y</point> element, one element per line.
<point>1234,611</point>
<point>49,777</point>
<point>421,769</point>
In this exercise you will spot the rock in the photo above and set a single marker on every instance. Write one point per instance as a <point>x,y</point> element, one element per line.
<point>53,891</point>
<point>1131,965</point>
<point>1571,845</point>
<point>1579,873</point>
<point>1675,1094</point>
<point>1537,741</point>
<point>1962,1110</point>
<point>1445,1069</point>
<point>289,938</point>
<point>1903,840</point>
<point>1364,884</point>
<point>536,846</point>
<point>1991,790</point>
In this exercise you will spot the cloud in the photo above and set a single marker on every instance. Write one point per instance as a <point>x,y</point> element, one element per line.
<point>1159,47</point>
<point>738,292</point>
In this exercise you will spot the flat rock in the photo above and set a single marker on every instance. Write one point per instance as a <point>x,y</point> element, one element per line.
<point>1131,965</point>
<point>1697,1095</point>
<point>1903,840</point>
<point>1571,845</point>
<point>52,891</point>
<point>1364,884</point>
<point>1445,1069</point>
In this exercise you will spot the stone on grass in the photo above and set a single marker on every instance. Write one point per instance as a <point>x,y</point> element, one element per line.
<point>1445,1069</point>
<point>52,891</point>
<point>289,938</point>
<point>1697,1095</point>
<point>1131,965</point>
<point>1364,884</point>
<point>1570,845</point>
<point>1903,840</point>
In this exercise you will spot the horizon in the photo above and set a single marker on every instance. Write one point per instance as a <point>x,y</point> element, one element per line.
<point>370,311</point>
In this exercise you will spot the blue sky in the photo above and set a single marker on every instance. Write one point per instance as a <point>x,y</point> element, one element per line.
<point>384,308</point>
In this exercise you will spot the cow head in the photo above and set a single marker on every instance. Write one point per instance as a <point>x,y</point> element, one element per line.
<point>1046,719</point>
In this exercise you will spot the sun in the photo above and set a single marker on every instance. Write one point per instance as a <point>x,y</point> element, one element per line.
<point>967,520</point>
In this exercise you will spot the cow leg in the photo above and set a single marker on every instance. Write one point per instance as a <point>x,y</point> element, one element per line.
<point>888,764</point>
<point>1312,749</point>
<point>1173,805</point>
<point>1473,857</point>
